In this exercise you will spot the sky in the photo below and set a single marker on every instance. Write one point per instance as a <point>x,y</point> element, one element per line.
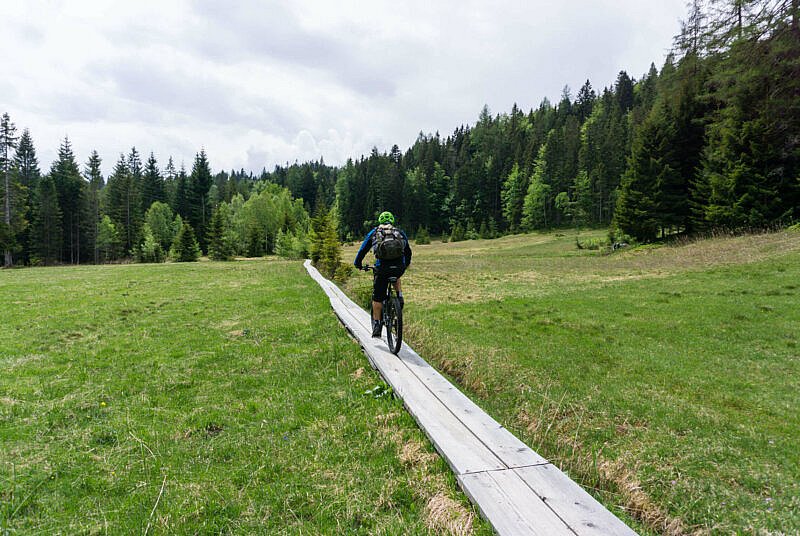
<point>259,83</point>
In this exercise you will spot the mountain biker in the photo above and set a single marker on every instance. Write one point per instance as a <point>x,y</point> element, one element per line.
<point>386,267</point>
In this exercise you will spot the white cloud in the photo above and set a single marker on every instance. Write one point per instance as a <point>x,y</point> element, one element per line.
<point>258,83</point>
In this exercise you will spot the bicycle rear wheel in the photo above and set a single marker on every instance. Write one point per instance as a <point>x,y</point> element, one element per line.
<point>394,324</point>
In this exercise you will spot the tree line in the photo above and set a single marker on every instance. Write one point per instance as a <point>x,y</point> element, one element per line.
<point>71,215</point>
<point>709,140</point>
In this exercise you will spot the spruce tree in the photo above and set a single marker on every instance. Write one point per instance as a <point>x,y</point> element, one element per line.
<point>8,142</point>
<point>170,183</point>
<point>199,184</point>
<point>71,188</point>
<point>26,176</point>
<point>643,205</point>
<point>94,175</point>
<point>185,247</point>
<point>219,243</point>
<point>152,183</point>
<point>121,203</point>
<point>46,231</point>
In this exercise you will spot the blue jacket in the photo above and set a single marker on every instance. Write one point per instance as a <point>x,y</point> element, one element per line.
<point>366,245</point>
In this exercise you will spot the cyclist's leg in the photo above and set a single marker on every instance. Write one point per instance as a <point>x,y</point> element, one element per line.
<point>379,287</point>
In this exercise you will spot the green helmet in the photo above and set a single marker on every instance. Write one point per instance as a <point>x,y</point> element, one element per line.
<point>386,217</point>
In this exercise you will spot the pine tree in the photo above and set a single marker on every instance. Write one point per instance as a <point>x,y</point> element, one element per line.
<point>199,184</point>
<point>644,205</point>
<point>185,247</point>
<point>8,141</point>
<point>219,243</point>
<point>182,204</point>
<point>170,184</point>
<point>71,188</point>
<point>152,183</point>
<point>26,175</point>
<point>46,231</point>
<point>623,89</point>
<point>584,102</point>
<point>122,204</point>
<point>751,161</point>
<point>94,175</point>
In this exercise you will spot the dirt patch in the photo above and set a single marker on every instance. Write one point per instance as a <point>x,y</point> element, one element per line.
<point>358,373</point>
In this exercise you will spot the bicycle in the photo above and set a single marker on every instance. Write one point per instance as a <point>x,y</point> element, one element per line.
<point>392,315</point>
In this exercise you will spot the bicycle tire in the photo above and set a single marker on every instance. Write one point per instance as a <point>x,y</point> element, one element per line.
<point>394,325</point>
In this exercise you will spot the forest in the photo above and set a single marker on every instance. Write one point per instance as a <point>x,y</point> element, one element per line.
<point>709,140</point>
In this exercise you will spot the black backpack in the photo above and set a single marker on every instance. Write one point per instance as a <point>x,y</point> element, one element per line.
<point>388,243</point>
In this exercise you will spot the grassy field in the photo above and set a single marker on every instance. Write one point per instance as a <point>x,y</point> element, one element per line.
<point>666,379</point>
<point>202,398</point>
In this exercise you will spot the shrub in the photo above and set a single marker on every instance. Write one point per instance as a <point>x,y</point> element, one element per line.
<point>422,236</point>
<point>457,234</point>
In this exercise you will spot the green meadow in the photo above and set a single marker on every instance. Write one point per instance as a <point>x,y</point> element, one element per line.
<point>665,379</point>
<point>202,398</point>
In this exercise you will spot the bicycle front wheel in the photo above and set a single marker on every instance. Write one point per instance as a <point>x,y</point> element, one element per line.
<point>394,324</point>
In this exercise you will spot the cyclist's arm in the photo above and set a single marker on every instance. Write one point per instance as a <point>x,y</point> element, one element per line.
<point>407,251</point>
<point>362,251</point>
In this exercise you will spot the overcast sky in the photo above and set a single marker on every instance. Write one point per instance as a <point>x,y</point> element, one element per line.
<point>261,83</point>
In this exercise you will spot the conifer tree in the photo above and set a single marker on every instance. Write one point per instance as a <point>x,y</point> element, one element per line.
<point>152,183</point>
<point>220,247</point>
<point>71,188</point>
<point>182,205</point>
<point>199,203</point>
<point>640,209</point>
<point>26,176</point>
<point>94,175</point>
<point>46,231</point>
<point>185,247</point>
<point>8,142</point>
<point>123,204</point>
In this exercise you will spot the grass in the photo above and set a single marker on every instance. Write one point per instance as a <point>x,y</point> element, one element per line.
<point>197,399</point>
<point>664,379</point>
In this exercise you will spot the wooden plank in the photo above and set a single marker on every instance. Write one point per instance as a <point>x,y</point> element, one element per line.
<point>572,503</point>
<point>511,506</point>
<point>505,445</point>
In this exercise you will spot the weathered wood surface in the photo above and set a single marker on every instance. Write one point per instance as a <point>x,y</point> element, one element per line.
<point>513,487</point>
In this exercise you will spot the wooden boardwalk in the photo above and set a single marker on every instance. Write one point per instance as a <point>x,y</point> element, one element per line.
<point>515,489</point>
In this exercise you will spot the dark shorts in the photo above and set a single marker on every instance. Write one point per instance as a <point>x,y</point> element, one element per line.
<point>381,282</point>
